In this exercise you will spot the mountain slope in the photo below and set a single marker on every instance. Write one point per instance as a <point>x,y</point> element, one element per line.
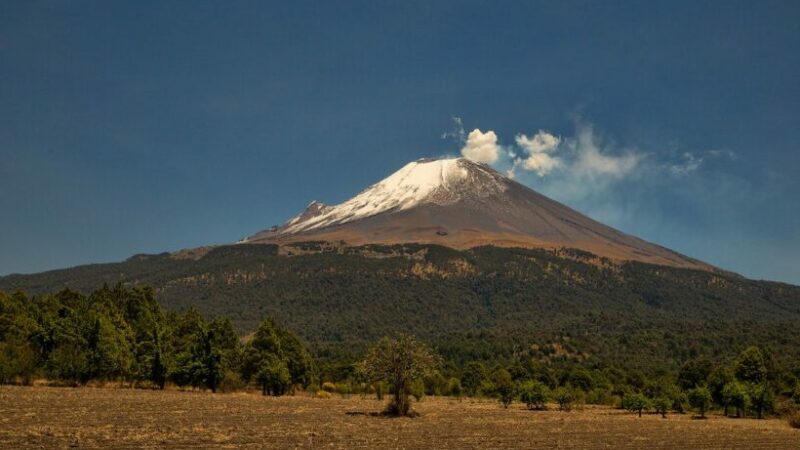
<point>481,303</point>
<point>462,204</point>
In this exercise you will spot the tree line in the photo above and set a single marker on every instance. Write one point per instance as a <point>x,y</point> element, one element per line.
<point>122,334</point>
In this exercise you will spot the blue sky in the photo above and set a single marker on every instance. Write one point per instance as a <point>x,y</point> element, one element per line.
<point>130,127</point>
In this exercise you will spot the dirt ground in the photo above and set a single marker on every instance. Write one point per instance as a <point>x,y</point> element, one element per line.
<point>56,418</point>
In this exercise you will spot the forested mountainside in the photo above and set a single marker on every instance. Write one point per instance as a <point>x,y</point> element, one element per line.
<point>485,303</point>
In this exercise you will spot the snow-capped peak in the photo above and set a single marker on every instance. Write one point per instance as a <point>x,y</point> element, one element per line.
<point>423,181</point>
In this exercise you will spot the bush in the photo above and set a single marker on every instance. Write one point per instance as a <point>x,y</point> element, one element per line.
<point>231,382</point>
<point>324,394</point>
<point>417,390</point>
<point>435,384</point>
<point>486,389</point>
<point>503,387</point>
<point>565,396</point>
<point>600,396</point>
<point>534,394</point>
<point>794,420</point>
<point>344,389</point>
<point>454,387</point>
<point>380,389</point>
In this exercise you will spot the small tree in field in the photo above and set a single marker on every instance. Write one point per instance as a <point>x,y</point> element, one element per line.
<point>504,387</point>
<point>636,403</point>
<point>700,399</point>
<point>661,406</point>
<point>565,396</point>
<point>735,395</point>
<point>762,398</point>
<point>399,362</point>
<point>534,394</point>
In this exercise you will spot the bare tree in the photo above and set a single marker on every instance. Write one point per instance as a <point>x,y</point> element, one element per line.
<point>399,362</point>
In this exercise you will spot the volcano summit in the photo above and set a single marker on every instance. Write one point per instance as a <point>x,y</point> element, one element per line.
<point>462,204</point>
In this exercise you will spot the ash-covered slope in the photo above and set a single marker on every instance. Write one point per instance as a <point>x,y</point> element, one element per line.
<point>462,204</point>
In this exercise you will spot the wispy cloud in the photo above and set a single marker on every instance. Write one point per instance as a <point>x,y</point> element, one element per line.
<point>580,165</point>
<point>694,200</point>
<point>593,160</point>
<point>457,133</point>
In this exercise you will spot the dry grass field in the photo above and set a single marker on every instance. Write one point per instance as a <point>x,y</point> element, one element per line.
<point>56,418</point>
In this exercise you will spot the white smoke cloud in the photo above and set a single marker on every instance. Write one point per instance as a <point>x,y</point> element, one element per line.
<point>538,147</point>
<point>541,163</point>
<point>593,161</point>
<point>576,167</point>
<point>541,142</point>
<point>481,147</point>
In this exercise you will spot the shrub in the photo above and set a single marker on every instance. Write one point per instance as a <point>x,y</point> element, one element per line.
<point>454,387</point>
<point>417,390</point>
<point>231,381</point>
<point>486,389</point>
<point>565,396</point>
<point>503,387</point>
<point>600,396</point>
<point>380,389</point>
<point>344,389</point>
<point>534,394</point>
<point>435,384</point>
<point>794,419</point>
<point>473,378</point>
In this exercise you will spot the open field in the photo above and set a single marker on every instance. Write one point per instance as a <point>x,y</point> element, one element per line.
<point>48,417</point>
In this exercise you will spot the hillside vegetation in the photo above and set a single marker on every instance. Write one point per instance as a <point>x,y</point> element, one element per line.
<point>490,304</point>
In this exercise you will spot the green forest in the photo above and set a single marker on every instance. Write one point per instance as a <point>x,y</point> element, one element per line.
<point>123,335</point>
<point>487,304</point>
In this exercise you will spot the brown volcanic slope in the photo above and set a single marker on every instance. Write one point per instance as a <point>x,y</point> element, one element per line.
<point>462,204</point>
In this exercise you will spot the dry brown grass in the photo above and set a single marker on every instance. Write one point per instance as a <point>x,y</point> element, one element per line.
<point>49,417</point>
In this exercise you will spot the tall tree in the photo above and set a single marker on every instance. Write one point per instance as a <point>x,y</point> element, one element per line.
<point>276,359</point>
<point>750,367</point>
<point>700,399</point>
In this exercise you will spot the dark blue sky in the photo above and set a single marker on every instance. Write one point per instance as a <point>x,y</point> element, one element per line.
<point>130,127</point>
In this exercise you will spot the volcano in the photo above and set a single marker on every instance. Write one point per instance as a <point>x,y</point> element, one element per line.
<point>462,204</point>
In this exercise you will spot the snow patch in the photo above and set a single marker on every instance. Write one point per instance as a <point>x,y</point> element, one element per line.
<point>422,181</point>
